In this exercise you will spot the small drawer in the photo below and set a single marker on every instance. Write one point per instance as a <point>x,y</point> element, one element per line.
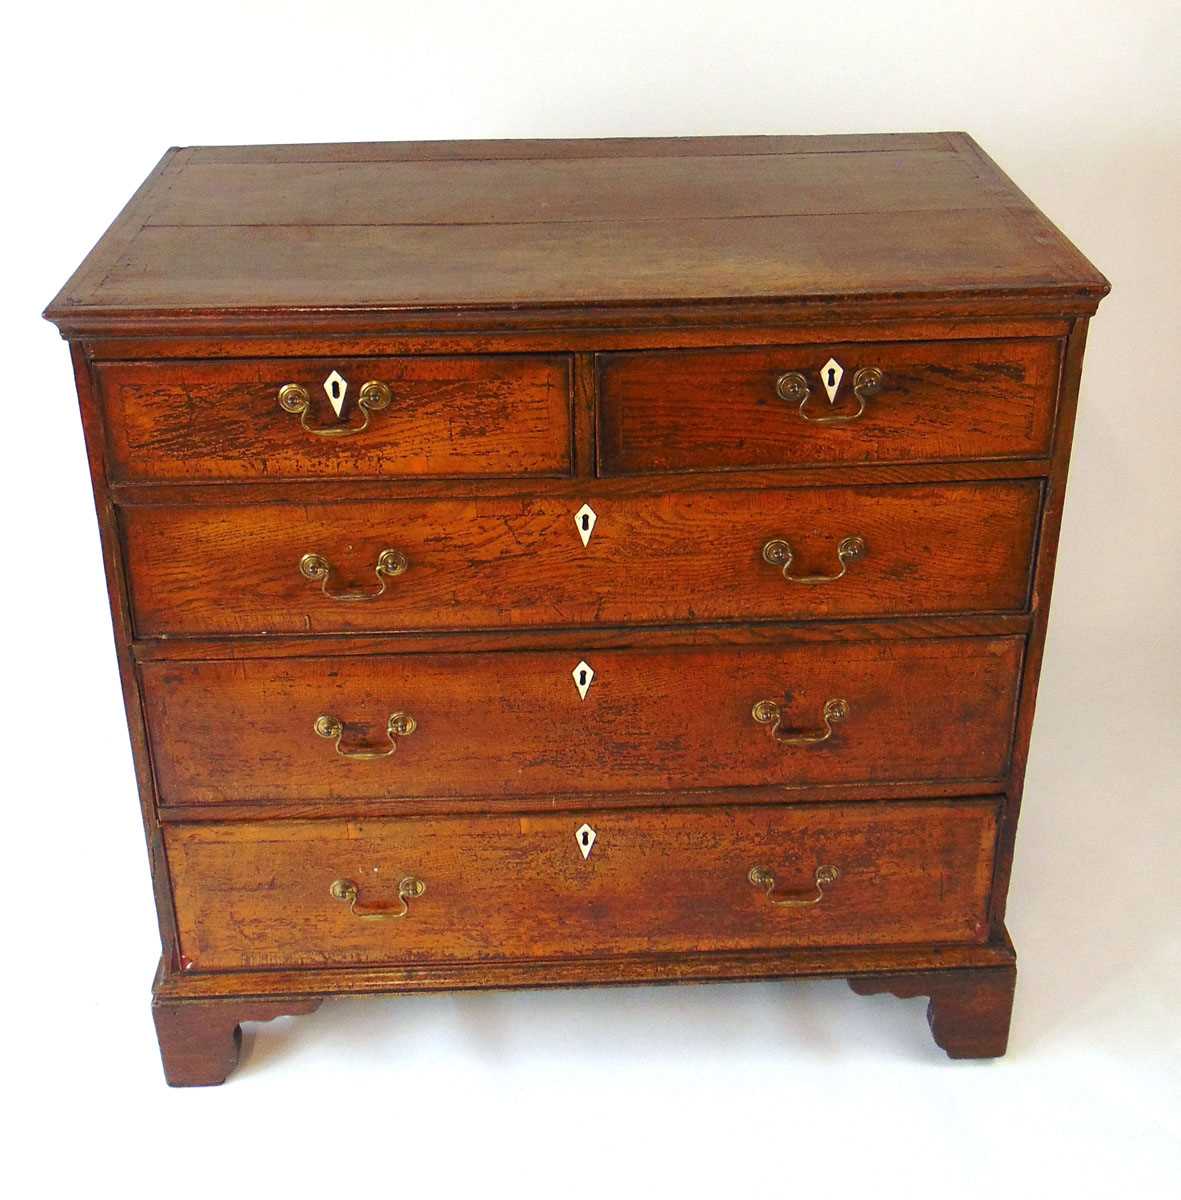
<point>319,893</point>
<point>492,415</point>
<point>548,722</point>
<point>892,402</point>
<point>454,564</point>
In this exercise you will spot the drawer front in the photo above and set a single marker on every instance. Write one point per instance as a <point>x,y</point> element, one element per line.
<point>503,724</point>
<point>505,562</point>
<point>518,887</point>
<point>726,409</point>
<point>440,416</point>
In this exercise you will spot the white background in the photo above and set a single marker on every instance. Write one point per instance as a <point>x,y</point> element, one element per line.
<point>780,1089</point>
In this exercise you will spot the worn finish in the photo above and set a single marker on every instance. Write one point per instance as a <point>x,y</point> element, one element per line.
<point>674,881</point>
<point>343,406</point>
<point>515,725</point>
<point>508,562</point>
<point>507,415</point>
<point>200,1039</point>
<point>713,409</point>
<point>968,1010</point>
<point>821,219</point>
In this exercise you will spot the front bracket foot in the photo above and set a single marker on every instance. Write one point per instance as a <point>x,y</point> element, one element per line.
<point>969,1008</point>
<point>200,1039</point>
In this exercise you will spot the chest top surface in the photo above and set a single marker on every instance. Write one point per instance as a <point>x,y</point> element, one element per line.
<point>284,233</point>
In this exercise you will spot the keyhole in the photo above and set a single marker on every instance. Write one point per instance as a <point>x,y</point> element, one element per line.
<point>585,838</point>
<point>581,678</point>
<point>335,390</point>
<point>585,522</point>
<point>832,377</point>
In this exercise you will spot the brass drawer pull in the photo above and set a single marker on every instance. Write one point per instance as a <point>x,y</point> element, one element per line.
<point>346,891</point>
<point>389,564</point>
<point>399,725</point>
<point>764,878</point>
<point>779,553</point>
<point>793,387</point>
<point>767,712</point>
<point>294,398</point>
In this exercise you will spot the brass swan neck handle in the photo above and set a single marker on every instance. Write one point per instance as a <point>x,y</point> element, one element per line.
<point>778,553</point>
<point>400,724</point>
<point>317,568</point>
<point>793,387</point>
<point>764,878</point>
<point>768,712</point>
<point>345,890</point>
<point>373,396</point>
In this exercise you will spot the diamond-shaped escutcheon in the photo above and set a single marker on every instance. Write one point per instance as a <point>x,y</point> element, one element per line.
<point>584,676</point>
<point>335,387</point>
<point>585,519</point>
<point>585,836</point>
<point>831,375</point>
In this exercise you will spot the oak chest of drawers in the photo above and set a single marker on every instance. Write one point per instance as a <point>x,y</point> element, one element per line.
<point>578,562</point>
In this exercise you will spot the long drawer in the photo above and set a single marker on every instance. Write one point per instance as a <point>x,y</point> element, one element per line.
<point>261,419</point>
<point>545,722</point>
<point>698,410</point>
<point>318,893</point>
<point>497,562</point>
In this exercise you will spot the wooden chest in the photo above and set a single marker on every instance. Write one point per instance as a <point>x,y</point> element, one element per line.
<point>578,562</point>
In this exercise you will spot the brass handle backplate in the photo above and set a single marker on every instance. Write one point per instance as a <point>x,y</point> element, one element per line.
<point>318,569</point>
<point>767,712</point>
<point>294,398</point>
<point>764,878</point>
<point>399,725</point>
<point>793,387</point>
<point>779,553</point>
<point>346,890</point>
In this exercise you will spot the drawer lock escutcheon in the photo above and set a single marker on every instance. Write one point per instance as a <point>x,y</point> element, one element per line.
<point>399,725</point>
<point>764,878</point>
<point>767,712</point>
<point>345,890</point>
<point>584,676</point>
<point>778,553</point>
<point>831,375</point>
<point>336,388</point>
<point>585,836</point>
<point>585,519</point>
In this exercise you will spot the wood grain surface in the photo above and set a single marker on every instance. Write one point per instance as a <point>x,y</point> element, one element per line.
<point>449,416</point>
<point>514,724</point>
<point>519,228</point>
<point>496,887</point>
<point>710,409</point>
<point>597,321</point>
<point>508,562</point>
